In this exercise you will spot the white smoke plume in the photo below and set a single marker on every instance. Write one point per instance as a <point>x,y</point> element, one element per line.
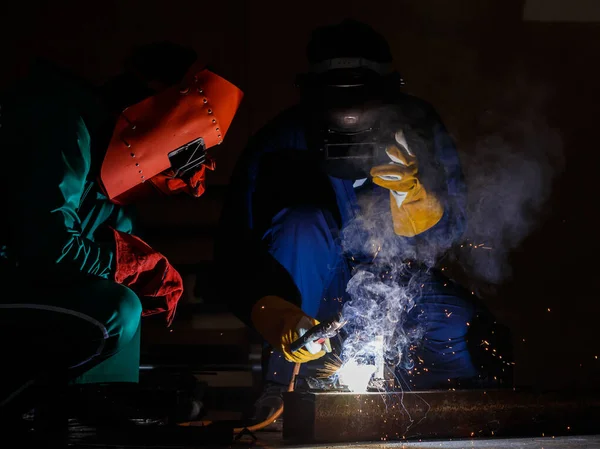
<point>510,173</point>
<point>378,308</point>
<point>382,292</point>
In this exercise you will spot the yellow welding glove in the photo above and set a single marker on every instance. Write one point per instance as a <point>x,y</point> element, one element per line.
<point>414,210</point>
<point>280,323</point>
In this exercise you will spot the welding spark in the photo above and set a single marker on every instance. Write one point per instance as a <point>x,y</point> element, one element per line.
<point>330,368</point>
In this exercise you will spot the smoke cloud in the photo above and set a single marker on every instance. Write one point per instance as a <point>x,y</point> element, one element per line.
<point>378,307</point>
<point>510,172</point>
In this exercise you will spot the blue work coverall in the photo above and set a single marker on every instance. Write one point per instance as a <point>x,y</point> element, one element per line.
<point>284,223</point>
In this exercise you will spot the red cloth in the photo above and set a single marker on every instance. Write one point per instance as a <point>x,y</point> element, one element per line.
<point>195,185</point>
<point>149,274</point>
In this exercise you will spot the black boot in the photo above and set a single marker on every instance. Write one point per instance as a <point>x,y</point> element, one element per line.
<point>160,399</point>
<point>36,417</point>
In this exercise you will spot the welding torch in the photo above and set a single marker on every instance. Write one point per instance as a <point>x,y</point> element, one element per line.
<point>320,332</point>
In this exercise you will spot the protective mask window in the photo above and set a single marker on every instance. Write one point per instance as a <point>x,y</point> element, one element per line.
<point>187,158</point>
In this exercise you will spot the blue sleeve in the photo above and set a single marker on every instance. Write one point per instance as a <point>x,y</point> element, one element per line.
<point>50,154</point>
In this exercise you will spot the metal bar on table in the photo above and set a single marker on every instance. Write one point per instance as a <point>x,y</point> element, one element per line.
<point>326,417</point>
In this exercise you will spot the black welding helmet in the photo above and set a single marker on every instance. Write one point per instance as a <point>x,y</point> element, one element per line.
<point>345,94</point>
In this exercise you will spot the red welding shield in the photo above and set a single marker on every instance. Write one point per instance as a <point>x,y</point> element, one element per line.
<point>163,139</point>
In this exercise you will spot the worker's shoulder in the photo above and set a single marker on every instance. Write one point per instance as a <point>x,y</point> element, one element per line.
<point>286,122</point>
<point>416,107</point>
<point>283,132</point>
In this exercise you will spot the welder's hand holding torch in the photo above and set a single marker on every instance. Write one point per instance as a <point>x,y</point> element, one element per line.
<point>281,323</point>
<point>414,210</point>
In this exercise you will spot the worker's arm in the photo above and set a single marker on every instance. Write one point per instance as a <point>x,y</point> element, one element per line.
<point>434,211</point>
<point>258,289</point>
<point>48,152</point>
<point>453,191</point>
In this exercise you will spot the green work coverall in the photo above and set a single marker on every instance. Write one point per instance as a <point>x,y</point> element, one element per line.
<point>56,254</point>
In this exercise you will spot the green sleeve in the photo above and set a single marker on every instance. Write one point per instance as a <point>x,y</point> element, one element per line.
<point>125,220</point>
<point>50,154</point>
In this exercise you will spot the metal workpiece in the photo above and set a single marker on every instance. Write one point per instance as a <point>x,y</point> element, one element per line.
<point>328,417</point>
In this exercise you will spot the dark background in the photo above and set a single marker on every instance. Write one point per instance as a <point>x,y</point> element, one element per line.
<point>477,61</point>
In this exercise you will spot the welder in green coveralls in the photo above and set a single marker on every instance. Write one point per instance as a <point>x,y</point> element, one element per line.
<point>75,158</point>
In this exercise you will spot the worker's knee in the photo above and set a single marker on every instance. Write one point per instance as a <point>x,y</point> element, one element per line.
<point>125,310</point>
<point>444,310</point>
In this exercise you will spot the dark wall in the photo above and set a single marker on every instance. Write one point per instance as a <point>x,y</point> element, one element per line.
<point>487,72</point>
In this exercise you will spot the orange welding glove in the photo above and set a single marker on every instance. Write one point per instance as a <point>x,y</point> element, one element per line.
<point>281,323</point>
<point>414,210</point>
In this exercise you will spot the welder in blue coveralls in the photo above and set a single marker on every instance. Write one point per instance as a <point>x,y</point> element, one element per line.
<point>294,199</point>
